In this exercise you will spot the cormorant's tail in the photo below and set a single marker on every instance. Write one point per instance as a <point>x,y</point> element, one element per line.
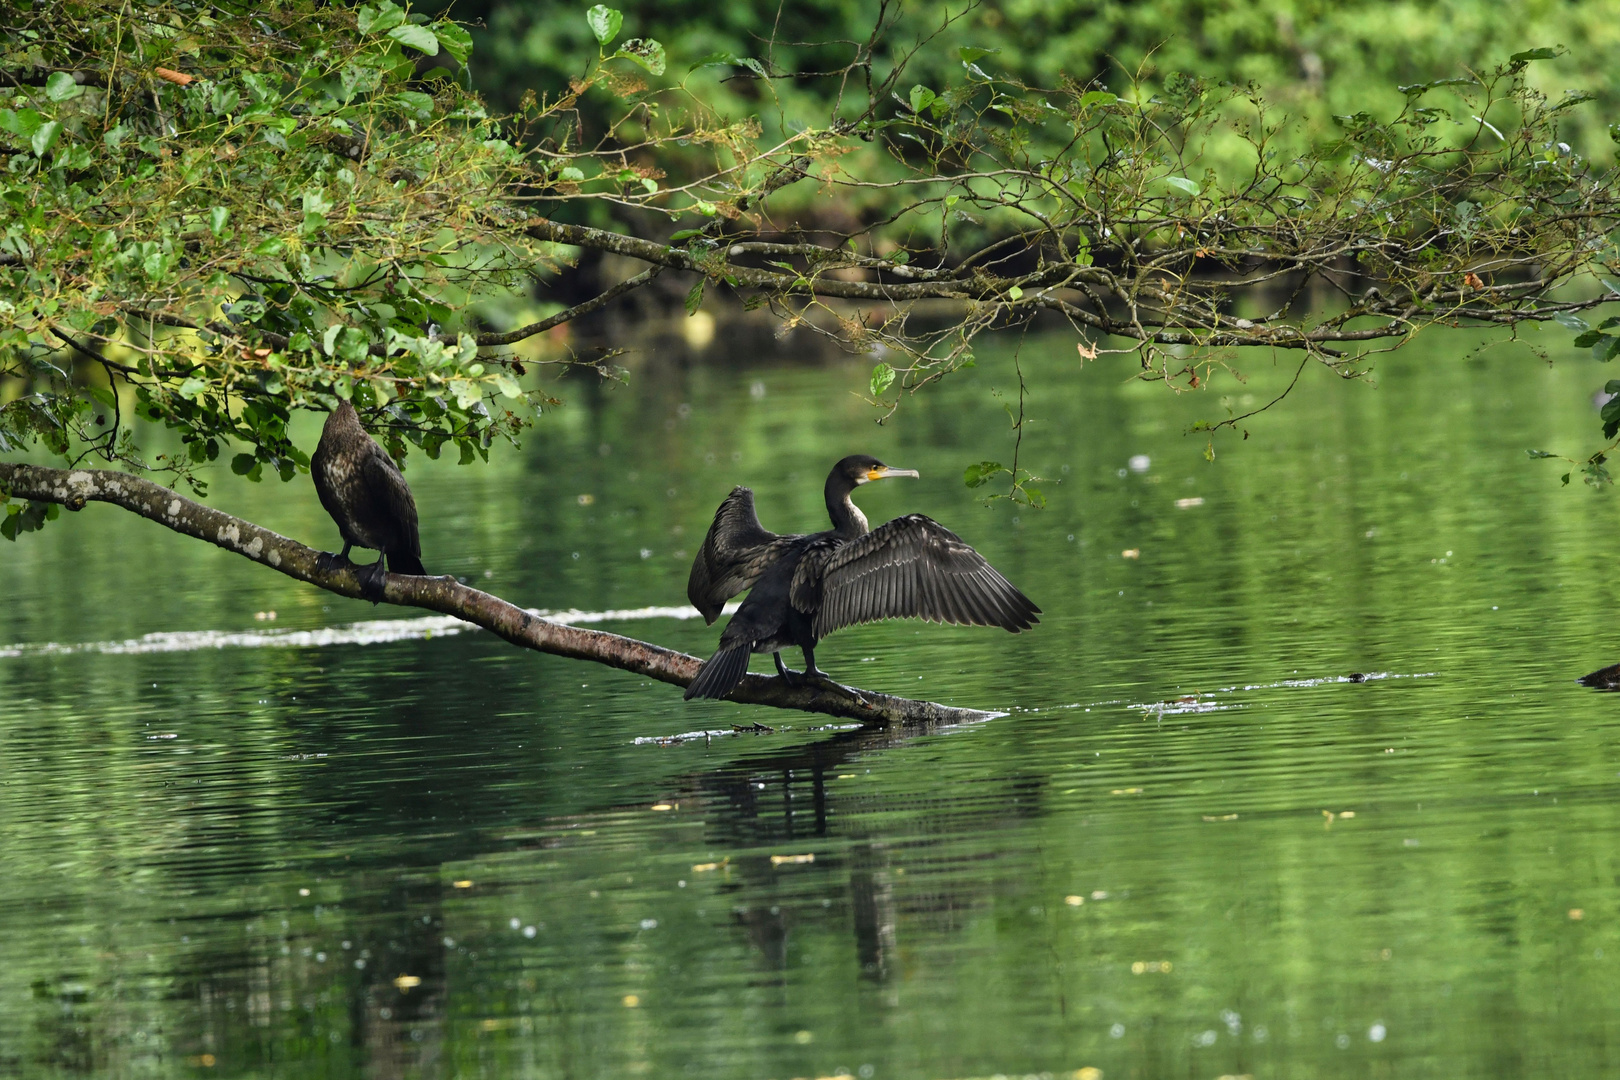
<point>403,562</point>
<point>720,673</point>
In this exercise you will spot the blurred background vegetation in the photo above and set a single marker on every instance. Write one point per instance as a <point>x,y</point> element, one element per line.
<point>1317,58</point>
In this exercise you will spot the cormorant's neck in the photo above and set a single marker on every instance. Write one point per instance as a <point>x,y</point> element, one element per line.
<point>846,517</point>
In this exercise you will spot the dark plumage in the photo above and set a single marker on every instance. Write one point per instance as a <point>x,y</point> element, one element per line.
<point>362,489</point>
<point>805,587</point>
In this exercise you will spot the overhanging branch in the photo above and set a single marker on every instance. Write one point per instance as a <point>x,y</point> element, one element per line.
<point>73,488</point>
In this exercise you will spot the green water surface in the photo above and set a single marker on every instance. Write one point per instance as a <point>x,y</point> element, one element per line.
<point>1192,846</point>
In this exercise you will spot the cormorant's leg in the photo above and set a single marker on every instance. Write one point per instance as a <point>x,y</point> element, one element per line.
<point>371,581</point>
<point>790,676</point>
<point>329,562</point>
<point>810,669</point>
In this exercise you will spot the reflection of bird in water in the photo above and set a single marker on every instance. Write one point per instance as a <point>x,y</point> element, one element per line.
<point>362,489</point>
<point>805,587</point>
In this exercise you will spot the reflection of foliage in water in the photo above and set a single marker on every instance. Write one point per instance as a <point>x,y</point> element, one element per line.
<point>931,936</point>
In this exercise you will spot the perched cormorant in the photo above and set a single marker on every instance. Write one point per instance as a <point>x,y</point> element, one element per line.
<point>805,587</point>
<point>362,489</point>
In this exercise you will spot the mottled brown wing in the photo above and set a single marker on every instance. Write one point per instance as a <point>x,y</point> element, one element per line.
<point>395,510</point>
<point>734,553</point>
<point>915,568</point>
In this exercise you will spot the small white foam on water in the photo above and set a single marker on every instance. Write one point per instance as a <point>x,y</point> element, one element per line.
<point>1199,702</point>
<point>372,632</point>
<point>685,736</point>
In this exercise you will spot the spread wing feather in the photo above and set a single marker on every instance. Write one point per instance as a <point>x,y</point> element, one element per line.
<point>912,567</point>
<point>734,553</point>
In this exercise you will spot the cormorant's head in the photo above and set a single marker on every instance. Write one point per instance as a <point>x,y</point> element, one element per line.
<point>863,468</point>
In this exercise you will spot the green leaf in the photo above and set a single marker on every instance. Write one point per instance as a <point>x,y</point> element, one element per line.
<point>1541,453</point>
<point>1182,184</point>
<point>61,87</point>
<point>644,51</point>
<point>454,39</point>
<point>1015,293</point>
<point>684,234</point>
<point>694,299</point>
<point>882,379</point>
<point>508,386</point>
<point>45,138</point>
<point>242,464</point>
<point>1611,417</point>
<point>604,23</point>
<point>1097,97</point>
<point>192,388</point>
<point>1570,321</point>
<point>981,473</point>
<point>1589,339</point>
<point>921,98</point>
<point>1565,479</point>
<point>417,104</point>
<point>22,123</point>
<point>374,20</point>
<point>417,37</point>
<point>1082,252</point>
<point>217,219</point>
<point>271,247</point>
<point>969,54</point>
<point>1533,54</point>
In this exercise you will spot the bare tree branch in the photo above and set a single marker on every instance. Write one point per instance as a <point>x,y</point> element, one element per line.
<point>602,300</point>
<point>74,488</point>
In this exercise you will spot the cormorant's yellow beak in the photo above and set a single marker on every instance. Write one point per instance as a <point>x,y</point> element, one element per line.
<point>882,472</point>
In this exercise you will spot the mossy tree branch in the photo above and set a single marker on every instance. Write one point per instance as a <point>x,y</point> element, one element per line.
<point>74,488</point>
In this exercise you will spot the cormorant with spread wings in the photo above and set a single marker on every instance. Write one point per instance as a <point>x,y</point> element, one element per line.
<point>805,587</point>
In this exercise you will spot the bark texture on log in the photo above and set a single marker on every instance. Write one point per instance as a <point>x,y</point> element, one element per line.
<point>73,488</point>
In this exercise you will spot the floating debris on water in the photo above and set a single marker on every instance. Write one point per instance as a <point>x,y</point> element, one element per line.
<point>790,860</point>
<point>1151,967</point>
<point>1221,817</point>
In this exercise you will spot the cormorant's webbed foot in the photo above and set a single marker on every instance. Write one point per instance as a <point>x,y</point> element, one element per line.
<point>371,581</point>
<point>788,675</point>
<point>332,561</point>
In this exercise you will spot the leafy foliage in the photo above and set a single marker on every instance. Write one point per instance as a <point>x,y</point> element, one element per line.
<point>215,215</point>
<point>213,219</point>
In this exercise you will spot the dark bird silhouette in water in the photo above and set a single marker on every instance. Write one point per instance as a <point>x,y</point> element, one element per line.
<point>362,489</point>
<point>805,587</point>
